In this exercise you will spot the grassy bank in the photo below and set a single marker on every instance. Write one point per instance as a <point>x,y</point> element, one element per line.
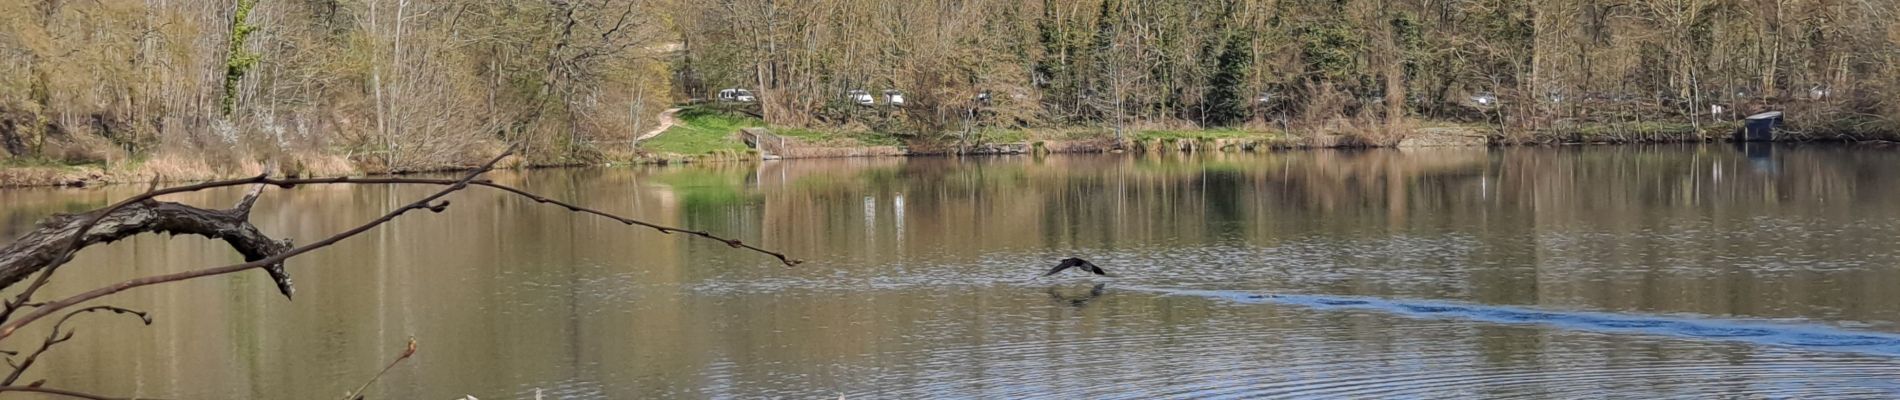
<point>701,132</point>
<point>1628,132</point>
<point>39,172</point>
<point>706,133</point>
<point>1138,135</point>
<point>709,132</point>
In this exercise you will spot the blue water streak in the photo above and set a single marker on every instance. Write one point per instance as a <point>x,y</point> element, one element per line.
<point>1805,336</point>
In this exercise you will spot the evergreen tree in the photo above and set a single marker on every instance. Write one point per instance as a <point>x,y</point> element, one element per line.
<point>1227,93</point>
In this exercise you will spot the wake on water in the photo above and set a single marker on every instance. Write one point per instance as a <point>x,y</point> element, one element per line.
<point>1807,336</point>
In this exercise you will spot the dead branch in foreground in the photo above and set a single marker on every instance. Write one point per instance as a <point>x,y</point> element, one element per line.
<point>406,352</point>
<point>50,245</point>
<point>65,393</point>
<point>58,336</point>
<point>59,239</point>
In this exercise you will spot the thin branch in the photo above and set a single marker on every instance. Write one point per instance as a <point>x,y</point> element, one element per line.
<point>65,393</point>
<point>787,260</point>
<point>358,393</point>
<point>429,202</point>
<point>9,327</point>
<point>734,243</point>
<point>58,336</point>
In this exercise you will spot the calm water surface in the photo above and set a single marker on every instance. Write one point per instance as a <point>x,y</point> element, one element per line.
<point>1619,272</point>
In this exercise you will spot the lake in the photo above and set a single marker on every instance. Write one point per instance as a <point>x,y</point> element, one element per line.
<point>1699,271</point>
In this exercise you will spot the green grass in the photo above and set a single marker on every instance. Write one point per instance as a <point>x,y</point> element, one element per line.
<point>702,132</point>
<point>40,162</point>
<point>837,138</point>
<point>1081,133</point>
<point>1671,130</point>
<point>1004,136</point>
<point>705,132</point>
<point>1200,134</point>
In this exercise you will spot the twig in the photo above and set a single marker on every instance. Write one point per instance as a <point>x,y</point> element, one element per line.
<point>358,393</point>
<point>290,183</point>
<point>425,203</point>
<point>56,337</point>
<point>10,326</point>
<point>14,305</point>
<point>734,243</point>
<point>66,393</point>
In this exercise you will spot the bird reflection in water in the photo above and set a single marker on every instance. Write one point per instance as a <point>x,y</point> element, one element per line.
<point>1077,300</point>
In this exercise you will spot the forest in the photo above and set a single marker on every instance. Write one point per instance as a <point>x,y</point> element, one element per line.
<point>332,86</point>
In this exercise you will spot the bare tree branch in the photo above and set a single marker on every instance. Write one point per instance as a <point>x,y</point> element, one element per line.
<point>58,335</point>
<point>78,241</point>
<point>253,244</point>
<point>15,263</point>
<point>45,248</point>
<point>358,393</point>
<point>65,393</point>
<point>429,203</point>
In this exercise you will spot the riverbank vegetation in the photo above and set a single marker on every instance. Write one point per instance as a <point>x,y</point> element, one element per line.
<point>417,85</point>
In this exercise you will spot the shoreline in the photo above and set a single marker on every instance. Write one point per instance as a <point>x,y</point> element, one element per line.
<point>92,176</point>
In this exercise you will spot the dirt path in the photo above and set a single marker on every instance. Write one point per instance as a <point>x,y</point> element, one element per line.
<point>666,121</point>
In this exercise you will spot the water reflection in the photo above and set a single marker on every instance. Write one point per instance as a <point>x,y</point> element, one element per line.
<point>915,289</point>
<point>1076,298</point>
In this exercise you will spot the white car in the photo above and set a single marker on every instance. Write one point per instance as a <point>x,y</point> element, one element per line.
<point>861,97</point>
<point>1485,99</point>
<point>893,97</point>
<point>737,95</point>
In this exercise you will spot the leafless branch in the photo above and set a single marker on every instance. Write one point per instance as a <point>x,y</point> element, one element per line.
<point>257,243</point>
<point>406,352</point>
<point>429,203</point>
<point>78,240</point>
<point>46,247</point>
<point>61,392</point>
<point>734,243</point>
<point>244,206</point>
<point>60,335</point>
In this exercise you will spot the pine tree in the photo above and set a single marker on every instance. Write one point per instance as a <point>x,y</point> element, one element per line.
<point>1227,94</point>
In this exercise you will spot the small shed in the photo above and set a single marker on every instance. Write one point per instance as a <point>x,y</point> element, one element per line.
<point>1759,127</point>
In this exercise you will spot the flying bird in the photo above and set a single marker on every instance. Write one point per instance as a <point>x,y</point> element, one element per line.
<point>1079,264</point>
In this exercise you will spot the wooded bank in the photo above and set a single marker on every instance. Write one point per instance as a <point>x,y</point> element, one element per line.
<point>196,88</point>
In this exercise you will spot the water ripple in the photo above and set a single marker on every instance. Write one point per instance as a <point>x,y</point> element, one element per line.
<point>1812,337</point>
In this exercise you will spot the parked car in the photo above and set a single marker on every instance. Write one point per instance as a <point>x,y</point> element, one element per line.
<point>893,97</point>
<point>737,95</point>
<point>860,97</point>
<point>1484,99</point>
